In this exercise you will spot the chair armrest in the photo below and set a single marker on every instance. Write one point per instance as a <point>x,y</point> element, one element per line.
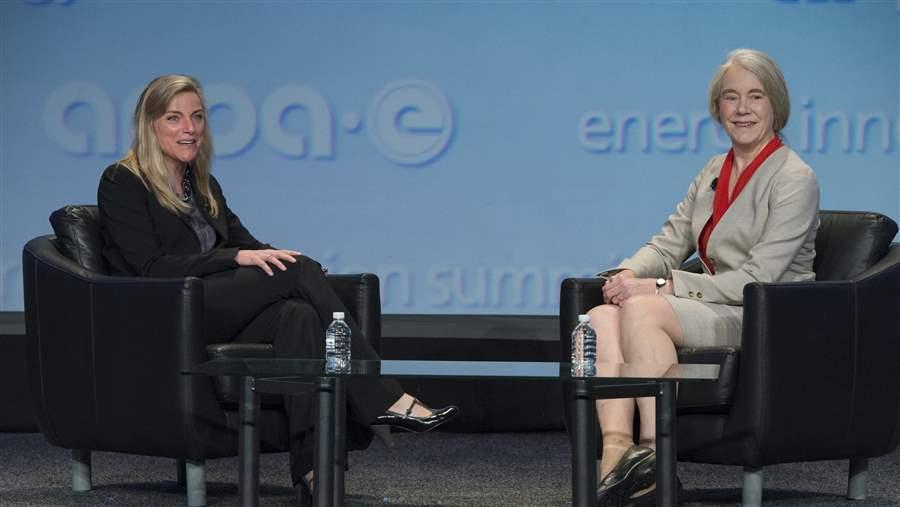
<point>819,366</point>
<point>361,294</point>
<point>798,357</point>
<point>576,296</point>
<point>875,422</point>
<point>105,356</point>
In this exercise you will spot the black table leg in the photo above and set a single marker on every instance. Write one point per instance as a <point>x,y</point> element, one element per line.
<point>248,450</point>
<point>666,450</point>
<point>584,446</point>
<point>324,471</point>
<point>340,438</point>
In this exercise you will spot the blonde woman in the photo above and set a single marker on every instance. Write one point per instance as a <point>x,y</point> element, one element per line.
<point>164,215</point>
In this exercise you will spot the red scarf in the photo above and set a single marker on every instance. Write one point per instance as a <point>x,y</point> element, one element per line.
<point>723,201</point>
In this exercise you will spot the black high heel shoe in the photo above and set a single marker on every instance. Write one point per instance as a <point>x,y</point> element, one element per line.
<point>634,472</point>
<point>409,422</point>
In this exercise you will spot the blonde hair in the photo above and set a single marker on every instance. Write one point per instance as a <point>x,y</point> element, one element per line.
<point>146,160</point>
<point>766,70</point>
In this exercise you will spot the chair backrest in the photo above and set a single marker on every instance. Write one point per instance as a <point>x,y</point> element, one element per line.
<point>78,236</point>
<point>849,242</point>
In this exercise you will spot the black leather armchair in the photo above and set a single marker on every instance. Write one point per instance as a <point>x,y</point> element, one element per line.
<point>815,377</point>
<point>105,356</point>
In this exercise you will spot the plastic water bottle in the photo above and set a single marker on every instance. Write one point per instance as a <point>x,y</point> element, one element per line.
<point>337,344</point>
<point>584,348</point>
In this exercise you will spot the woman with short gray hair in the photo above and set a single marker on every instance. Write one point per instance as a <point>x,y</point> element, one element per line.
<point>750,215</point>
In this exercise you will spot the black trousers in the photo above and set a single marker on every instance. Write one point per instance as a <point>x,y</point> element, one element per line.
<point>290,310</point>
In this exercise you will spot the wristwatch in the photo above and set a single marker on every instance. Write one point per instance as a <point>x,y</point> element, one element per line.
<point>660,283</point>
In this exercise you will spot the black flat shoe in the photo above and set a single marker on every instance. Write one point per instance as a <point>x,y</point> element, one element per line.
<point>415,424</point>
<point>648,498</point>
<point>634,472</point>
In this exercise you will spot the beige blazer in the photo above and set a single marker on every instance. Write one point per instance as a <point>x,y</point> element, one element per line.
<point>767,235</point>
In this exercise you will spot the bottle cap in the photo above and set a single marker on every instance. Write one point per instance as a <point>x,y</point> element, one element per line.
<point>583,318</point>
<point>337,315</point>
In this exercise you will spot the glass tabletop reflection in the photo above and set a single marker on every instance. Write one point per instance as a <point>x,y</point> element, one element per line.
<point>307,368</point>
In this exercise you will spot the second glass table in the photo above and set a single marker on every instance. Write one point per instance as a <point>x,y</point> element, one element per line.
<point>289,376</point>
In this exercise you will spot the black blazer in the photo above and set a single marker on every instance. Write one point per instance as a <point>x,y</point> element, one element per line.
<point>143,238</point>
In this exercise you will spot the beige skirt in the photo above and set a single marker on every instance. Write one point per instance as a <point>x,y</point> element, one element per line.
<point>707,324</point>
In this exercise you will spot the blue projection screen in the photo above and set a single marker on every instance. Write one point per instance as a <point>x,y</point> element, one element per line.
<point>472,154</point>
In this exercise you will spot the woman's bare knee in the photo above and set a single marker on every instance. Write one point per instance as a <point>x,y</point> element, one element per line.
<point>605,321</point>
<point>650,314</point>
<point>649,328</point>
<point>603,315</point>
<point>646,312</point>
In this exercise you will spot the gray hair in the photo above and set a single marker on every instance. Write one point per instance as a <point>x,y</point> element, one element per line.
<point>766,70</point>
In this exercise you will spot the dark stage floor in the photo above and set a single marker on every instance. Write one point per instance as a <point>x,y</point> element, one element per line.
<point>440,469</point>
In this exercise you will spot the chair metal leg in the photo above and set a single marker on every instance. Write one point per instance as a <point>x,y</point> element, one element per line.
<point>340,439</point>
<point>248,445</point>
<point>81,470</point>
<point>856,480</point>
<point>753,481</point>
<point>195,475</point>
<point>180,471</point>
<point>584,445</point>
<point>666,446</point>
<point>324,452</point>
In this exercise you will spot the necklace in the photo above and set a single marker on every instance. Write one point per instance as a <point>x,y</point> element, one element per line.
<point>187,188</point>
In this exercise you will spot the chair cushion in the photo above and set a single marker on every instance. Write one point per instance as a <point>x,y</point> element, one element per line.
<point>228,389</point>
<point>849,242</point>
<point>706,397</point>
<point>77,230</point>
